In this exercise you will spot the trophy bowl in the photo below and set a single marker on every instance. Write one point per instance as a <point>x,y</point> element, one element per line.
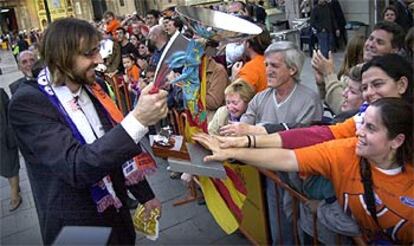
<point>216,25</point>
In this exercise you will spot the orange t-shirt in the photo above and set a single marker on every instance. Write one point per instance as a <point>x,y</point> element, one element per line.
<point>133,74</point>
<point>337,161</point>
<point>345,129</point>
<point>254,72</point>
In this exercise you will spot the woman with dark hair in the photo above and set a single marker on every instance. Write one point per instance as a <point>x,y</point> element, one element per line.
<point>385,76</point>
<point>134,39</point>
<point>371,173</point>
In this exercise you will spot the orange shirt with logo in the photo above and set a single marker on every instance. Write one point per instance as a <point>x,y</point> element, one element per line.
<point>337,161</point>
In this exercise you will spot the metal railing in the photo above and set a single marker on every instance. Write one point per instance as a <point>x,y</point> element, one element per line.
<point>298,198</point>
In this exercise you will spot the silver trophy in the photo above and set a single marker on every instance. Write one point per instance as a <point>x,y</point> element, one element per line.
<point>217,26</point>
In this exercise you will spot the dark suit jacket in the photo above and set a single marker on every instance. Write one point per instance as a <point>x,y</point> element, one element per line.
<point>16,84</point>
<point>61,170</point>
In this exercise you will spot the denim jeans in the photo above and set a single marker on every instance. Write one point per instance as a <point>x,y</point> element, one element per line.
<point>284,223</point>
<point>325,41</point>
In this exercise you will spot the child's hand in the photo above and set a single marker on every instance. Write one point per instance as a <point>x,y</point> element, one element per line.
<point>126,79</point>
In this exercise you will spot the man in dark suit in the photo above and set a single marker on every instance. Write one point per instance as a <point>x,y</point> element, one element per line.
<point>64,167</point>
<point>25,61</point>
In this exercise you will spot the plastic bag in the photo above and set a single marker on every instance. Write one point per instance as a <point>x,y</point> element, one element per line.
<point>149,227</point>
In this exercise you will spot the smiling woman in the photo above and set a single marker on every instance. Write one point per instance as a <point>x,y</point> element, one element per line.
<point>376,166</point>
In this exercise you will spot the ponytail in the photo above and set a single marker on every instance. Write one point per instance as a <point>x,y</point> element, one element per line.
<point>369,196</point>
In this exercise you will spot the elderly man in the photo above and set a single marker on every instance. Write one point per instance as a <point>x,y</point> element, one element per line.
<point>80,153</point>
<point>158,38</point>
<point>25,61</point>
<point>284,101</point>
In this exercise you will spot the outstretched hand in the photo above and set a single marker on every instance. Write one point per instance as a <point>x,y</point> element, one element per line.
<point>241,129</point>
<point>232,142</point>
<point>212,143</point>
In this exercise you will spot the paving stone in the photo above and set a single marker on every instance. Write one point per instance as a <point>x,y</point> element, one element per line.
<point>26,219</point>
<point>208,226</point>
<point>234,239</point>
<point>25,186</point>
<point>3,182</point>
<point>27,237</point>
<point>186,233</point>
<point>172,216</point>
<point>7,225</point>
<point>169,189</point>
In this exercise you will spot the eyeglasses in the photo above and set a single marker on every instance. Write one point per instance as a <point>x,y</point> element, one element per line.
<point>92,52</point>
<point>141,47</point>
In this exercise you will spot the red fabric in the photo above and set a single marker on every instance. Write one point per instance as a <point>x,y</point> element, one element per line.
<point>224,193</point>
<point>238,183</point>
<point>303,137</point>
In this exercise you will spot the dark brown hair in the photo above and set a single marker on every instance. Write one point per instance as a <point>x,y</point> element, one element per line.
<point>260,42</point>
<point>131,56</point>
<point>353,54</point>
<point>397,117</point>
<point>395,66</point>
<point>62,41</point>
<point>392,8</point>
<point>396,30</point>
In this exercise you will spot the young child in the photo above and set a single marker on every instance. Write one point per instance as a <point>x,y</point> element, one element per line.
<point>131,75</point>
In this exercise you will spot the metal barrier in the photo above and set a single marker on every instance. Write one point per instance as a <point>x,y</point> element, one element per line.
<point>120,88</point>
<point>299,198</point>
<point>290,34</point>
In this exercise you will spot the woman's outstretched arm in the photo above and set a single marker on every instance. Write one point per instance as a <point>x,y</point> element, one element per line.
<point>273,159</point>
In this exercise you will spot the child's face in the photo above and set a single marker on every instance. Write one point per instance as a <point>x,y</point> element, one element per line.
<point>150,75</point>
<point>127,62</point>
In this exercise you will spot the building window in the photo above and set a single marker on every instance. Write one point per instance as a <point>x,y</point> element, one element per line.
<point>122,3</point>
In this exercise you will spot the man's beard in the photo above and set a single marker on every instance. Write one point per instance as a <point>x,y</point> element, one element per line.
<point>82,78</point>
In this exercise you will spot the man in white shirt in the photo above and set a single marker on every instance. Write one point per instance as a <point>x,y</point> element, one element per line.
<point>78,157</point>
